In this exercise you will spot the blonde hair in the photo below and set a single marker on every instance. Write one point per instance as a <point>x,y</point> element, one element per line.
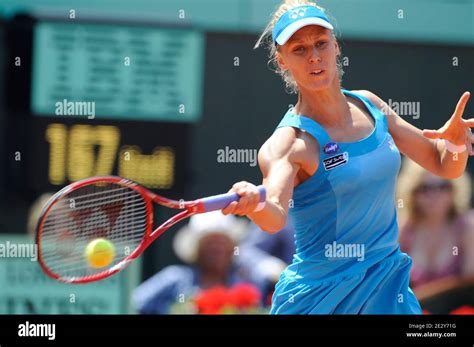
<point>411,176</point>
<point>266,40</point>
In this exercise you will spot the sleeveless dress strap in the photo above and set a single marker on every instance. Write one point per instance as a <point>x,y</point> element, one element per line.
<point>374,110</point>
<point>307,124</point>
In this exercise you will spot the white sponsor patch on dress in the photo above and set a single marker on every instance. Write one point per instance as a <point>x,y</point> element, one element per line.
<point>335,161</point>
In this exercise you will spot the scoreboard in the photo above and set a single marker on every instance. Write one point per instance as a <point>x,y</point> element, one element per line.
<point>67,150</point>
<point>103,99</point>
<point>136,73</point>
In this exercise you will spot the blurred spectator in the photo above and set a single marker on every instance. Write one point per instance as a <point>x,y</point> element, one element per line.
<point>436,225</point>
<point>35,212</point>
<point>268,255</point>
<point>449,295</point>
<point>280,245</point>
<point>209,244</point>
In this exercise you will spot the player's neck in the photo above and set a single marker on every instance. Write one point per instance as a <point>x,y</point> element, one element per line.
<point>328,107</point>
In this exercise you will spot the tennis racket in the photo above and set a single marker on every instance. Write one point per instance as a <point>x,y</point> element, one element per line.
<point>112,208</point>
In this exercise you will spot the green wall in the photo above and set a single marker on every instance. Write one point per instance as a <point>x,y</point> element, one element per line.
<point>439,21</point>
<point>25,289</point>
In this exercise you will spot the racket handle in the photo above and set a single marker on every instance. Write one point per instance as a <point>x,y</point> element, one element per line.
<point>218,202</point>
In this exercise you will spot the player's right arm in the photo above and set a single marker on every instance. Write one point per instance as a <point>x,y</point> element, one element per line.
<point>280,159</point>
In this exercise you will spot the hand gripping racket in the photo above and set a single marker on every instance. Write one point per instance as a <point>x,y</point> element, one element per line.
<point>111,208</point>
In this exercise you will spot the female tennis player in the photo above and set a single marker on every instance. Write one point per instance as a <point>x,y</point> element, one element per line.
<point>332,163</point>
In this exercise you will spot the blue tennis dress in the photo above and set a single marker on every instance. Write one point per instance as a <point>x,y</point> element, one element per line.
<point>347,257</point>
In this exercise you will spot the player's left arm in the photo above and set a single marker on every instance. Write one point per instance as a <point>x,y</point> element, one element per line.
<point>423,147</point>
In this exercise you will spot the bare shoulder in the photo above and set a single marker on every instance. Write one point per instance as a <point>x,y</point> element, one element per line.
<point>373,98</point>
<point>391,115</point>
<point>280,144</point>
<point>287,143</point>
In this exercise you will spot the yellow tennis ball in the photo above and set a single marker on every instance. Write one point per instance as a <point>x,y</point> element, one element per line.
<point>100,253</point>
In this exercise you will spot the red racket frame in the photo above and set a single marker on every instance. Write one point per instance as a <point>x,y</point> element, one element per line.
<point>190,208</point>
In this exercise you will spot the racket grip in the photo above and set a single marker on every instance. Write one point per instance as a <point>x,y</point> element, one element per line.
<point>218,202</point>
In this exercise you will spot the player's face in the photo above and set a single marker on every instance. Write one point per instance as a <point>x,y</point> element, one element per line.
<point>310,55</point>
<point>215,252</point>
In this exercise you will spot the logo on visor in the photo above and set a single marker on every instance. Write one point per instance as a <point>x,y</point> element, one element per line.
<point>297,13</point>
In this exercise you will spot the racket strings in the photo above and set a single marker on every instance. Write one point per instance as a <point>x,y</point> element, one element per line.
<point>84,205</point>
<point>65,220</point>
<point>106,210</point>
<point>94,226</point>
